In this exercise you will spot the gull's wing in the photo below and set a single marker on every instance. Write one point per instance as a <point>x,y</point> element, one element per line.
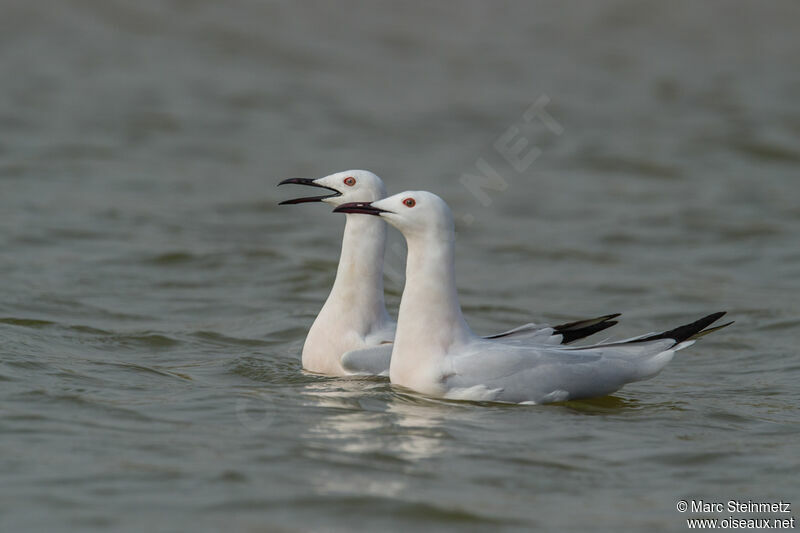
<point>580,329</point>
<point>541,333</point>
<point>560,334</point>
<point>504,372</point>
<point>681,335</point>
<point>372,361</point>
<point>491,370</point>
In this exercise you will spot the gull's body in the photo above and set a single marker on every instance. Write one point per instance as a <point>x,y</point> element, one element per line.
<point>354,317</point>
<point>436,353</point>
<point>353,332</point>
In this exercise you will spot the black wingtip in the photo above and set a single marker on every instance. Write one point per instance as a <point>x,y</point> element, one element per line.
<point>710,330</point>
<point>581,329</point>
<point>580,324</point>
<point>569,336</point>
<point>691,331</point>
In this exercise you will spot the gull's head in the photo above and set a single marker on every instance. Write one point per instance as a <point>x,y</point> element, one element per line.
<point>412,212</point>
<point>343,187</point>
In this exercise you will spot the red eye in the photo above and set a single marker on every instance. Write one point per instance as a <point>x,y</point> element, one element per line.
<point>350,181</point>
<point>409,202</point>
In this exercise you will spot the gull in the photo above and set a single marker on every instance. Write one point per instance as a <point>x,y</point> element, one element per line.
<point>353,333</point>
<point>435,352</point>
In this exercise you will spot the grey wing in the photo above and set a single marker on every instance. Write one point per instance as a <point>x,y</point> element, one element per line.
<point>372,361</point>
<point>548,374</point>
<point>514,373</point>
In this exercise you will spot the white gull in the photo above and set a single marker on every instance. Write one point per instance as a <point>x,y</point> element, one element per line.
<point>436,353</point>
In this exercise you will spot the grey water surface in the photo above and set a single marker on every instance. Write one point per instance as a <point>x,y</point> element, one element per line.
<point>154,298</point>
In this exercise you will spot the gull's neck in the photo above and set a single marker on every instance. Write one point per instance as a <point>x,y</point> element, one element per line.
<point>357,293</point>
<point>430,323</point>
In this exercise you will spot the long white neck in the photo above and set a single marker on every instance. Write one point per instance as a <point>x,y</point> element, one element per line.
<point>357,293</point>
<point>430,323</point>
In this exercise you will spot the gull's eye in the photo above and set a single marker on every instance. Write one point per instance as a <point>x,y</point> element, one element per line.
<point>409,202</point>
<point>350,181</point>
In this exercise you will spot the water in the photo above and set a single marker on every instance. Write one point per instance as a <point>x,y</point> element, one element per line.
<point>154,299</point>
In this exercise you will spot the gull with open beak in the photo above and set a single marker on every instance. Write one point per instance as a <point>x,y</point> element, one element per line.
<point>352,334</point>
<point>436,353</point>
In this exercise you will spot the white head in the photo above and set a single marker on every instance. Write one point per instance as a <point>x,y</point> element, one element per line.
<point>414,213</point>
<point>345,187</point>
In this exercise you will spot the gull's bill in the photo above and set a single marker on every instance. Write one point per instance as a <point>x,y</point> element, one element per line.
<point>364,208</point>
<point>311,183</point>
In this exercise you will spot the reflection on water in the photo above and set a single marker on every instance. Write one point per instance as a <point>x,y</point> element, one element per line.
<point>420,429</point>
<point>358,423</point>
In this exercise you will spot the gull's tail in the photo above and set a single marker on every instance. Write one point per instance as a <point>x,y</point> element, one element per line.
<point>688,332</point>
<point>581,329</point>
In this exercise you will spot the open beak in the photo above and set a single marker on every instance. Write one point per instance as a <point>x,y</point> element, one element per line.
<point>310,183</point>
<point>364,208</point>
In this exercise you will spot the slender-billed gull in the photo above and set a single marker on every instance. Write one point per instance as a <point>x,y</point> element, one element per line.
<point>353,332</point>
<point>436,353</point>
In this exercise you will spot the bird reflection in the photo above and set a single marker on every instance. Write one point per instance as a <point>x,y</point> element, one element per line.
<point>375,421</point>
